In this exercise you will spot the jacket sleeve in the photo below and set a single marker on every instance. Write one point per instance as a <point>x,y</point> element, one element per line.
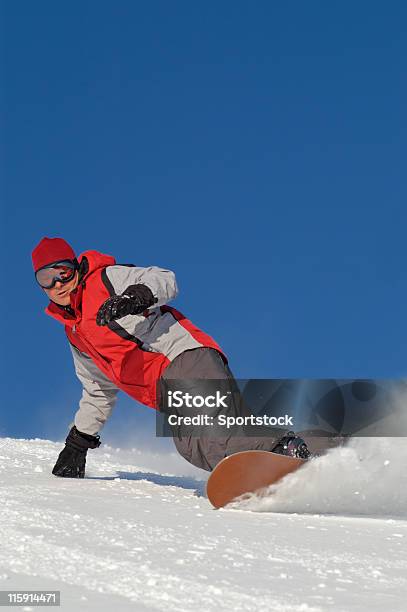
<point>98,397</point>
<point>161,282</point>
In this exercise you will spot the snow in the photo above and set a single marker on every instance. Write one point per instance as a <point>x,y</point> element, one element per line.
<point>139,534</point>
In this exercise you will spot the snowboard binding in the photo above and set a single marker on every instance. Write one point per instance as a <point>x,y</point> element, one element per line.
<point>292,445</point>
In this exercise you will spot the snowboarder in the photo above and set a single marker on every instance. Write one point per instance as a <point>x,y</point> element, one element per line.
<point>124,336</point>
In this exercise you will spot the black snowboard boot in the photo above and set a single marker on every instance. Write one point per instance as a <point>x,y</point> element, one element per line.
<point>292,446</point>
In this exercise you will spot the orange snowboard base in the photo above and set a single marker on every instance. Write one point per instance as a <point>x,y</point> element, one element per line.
<point>247,472</point>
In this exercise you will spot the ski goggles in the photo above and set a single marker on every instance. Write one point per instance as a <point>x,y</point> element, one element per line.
<point>62,271</point>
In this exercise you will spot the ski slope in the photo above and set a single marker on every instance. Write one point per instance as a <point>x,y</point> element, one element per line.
<point>139,534</point>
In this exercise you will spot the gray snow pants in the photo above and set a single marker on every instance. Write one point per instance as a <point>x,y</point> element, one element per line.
<point>206,452</point>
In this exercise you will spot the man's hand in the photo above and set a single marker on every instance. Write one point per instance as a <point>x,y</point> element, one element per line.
<point>72,459</point>
<point>135,300</point>
<point>70,464</point>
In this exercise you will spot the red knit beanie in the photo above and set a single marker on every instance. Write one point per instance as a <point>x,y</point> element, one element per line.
<point>49,250</point>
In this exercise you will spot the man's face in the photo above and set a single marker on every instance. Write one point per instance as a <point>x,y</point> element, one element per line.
<point>60,292</point>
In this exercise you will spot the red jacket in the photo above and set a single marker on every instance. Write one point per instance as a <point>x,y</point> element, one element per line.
<point>133,351</point>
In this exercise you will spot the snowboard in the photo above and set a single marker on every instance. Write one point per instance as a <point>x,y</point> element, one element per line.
<point>247,472</point>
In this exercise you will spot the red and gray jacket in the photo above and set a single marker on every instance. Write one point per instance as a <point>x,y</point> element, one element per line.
<point>128,354</point>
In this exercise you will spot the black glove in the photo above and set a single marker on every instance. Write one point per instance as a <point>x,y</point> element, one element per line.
<point>133,301</point>
<point>72,459</point>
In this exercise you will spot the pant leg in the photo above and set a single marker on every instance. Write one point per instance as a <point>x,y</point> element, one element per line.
<point>206,452</point>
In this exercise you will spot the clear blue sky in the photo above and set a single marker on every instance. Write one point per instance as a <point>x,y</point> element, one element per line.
<point>255,148</point>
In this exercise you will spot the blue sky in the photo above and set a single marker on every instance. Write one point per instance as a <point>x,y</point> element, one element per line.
<point>257,149</point>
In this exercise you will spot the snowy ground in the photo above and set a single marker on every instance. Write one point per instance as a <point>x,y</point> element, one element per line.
<point>130,537</point>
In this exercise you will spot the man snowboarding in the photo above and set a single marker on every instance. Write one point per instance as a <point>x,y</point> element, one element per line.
<point>124,336</point>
